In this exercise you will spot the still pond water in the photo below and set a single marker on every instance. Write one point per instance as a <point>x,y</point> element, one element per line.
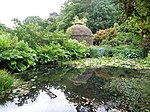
<point>66,89</point>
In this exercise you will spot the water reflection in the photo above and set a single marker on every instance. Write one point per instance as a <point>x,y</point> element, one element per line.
<point>43,103</point>
<point>65,89</point>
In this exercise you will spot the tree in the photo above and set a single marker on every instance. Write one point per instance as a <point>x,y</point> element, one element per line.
<point>4,28</point>
<point>50,22</point>
<point>33,20</point>
<point>138,12</point>
<point>101,14</point>
<point>43,23</point>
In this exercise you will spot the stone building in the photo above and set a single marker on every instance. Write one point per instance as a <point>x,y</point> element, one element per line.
<point>81,33</point>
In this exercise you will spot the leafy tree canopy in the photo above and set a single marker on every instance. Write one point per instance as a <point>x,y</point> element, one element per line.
<point>139,13</point>
<point>101,14</point>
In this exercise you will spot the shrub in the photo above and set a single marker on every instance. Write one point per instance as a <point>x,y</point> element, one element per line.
<point>104,34</point>
<point>67,50</point>
<point>37,46</point>
<point>6,81</point>
<point>148,57</point>
<point>96,52</point>
<point>132,53</point>
<point>18,58</point>
<point>123,51</point>
<point>75,49</point>
<point>116,37</point>
<point>123,38</point>
<point>52,52</point>
<point>6,41</point>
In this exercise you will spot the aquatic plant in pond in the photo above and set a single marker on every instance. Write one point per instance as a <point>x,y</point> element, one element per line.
<point>110,61</point>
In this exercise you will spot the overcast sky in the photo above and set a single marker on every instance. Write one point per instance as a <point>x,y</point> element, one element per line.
<point>20,9</point>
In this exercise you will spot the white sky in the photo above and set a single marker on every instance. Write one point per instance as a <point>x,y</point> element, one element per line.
<point>20,9</point>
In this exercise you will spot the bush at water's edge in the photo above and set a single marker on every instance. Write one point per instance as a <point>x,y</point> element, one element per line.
<point>6,81</point>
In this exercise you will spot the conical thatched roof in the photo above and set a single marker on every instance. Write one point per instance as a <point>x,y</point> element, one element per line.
<point>80,30</point>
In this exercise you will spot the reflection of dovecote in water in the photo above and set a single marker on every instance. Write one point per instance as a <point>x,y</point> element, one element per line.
<point>83,77</point>
<point>81,33</point>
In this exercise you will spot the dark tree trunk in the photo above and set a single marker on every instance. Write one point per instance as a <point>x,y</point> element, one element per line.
<point>146,46</point>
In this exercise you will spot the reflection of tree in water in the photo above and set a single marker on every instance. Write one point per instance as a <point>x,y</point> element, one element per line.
<point>41,79</point>
<point>34,93</point>
<point>31,95</point>
<point>46,79</point>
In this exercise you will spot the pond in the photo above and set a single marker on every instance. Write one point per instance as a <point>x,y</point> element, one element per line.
<point>67,89</point>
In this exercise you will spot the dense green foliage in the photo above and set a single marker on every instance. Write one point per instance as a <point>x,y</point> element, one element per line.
<point>118,42</point>
<point>139,11</point>
<point>119,51</point>
<point>69,50</point>
<point>138,14</point>
<point>6,81</point>
<point>29,44</point>
<point>101,14</point>
<point>15,55</point>
<point>127,52</point>
<point>123,35</point>
<point>106,34</point>
<point>52,52</point>
<point>148,56</point>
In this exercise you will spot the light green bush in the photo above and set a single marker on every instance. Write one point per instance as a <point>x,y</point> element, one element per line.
<point>6,81</point>
<point>49,53</point>
<point>75,49</point>
<point>19,57</point>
